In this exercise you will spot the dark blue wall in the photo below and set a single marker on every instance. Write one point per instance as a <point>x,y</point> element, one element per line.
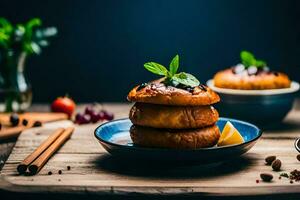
<point>102,45</point>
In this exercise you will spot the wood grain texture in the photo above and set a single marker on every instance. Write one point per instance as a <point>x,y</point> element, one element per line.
<point>94,171</point>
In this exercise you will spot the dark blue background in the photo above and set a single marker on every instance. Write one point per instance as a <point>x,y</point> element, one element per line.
<point>102,45</point>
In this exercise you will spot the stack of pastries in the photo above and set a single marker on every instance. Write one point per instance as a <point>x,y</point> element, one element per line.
<point>164,116</point>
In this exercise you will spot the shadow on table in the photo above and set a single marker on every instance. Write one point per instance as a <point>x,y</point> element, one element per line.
<point>142,168</point>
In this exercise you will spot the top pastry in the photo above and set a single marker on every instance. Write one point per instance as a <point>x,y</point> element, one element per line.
<point>157,92</point>
<point>251,74</point>
<point>178,89</point>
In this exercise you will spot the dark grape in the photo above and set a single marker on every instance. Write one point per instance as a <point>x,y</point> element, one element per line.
<point>78,117</point>
<point>95,117</point>
<point>86,119</point>
<point>108,116</point>
<point>82,118</point>
<point>101,115</point>
<point>89,110</point>
<point>92,116</point>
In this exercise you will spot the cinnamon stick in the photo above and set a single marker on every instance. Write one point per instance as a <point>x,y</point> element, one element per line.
<point>22,167</point>
<point>37,165</point>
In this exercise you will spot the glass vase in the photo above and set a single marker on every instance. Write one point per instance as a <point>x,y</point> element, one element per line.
<point>15,90</point>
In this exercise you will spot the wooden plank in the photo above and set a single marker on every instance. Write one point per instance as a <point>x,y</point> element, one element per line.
<point>93,171</point>
<point>35,116</point>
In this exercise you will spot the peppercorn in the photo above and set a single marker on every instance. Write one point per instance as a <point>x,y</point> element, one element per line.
<point>59,172</point>
<point>49,173</point>
<point>68,167</point>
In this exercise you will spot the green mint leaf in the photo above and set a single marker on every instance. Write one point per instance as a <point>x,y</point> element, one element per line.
<point>156,68</point>
<point>174,65</point>
<point>260,63</point>
<point>247,58</point>
<point>186,79</point>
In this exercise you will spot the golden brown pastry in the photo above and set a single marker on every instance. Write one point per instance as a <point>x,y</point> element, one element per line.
<point>172,117</point>
<point>175,139</point>
<point>158,93</point>
<point>244,81</point>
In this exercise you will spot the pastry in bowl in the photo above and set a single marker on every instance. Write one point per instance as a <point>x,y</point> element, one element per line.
<point>251,74</point>
<point>251,91</point>
<point>261,80</point>
<point>173,112</point>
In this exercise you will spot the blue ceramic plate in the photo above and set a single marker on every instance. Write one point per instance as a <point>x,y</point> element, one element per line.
<point>115,138</point>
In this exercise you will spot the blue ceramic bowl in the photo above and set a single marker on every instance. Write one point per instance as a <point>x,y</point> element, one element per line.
<point>115,138</point>
<point>262,107</point>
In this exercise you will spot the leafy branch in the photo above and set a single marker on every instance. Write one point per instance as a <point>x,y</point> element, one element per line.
<point>171,75</point>
<point>28,37</point>
<point>248,60</point>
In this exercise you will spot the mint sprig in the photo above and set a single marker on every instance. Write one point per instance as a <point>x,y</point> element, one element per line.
<point>171,75</point>
<point>248,59</point>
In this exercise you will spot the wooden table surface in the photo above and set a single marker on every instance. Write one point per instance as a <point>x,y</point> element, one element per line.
<point>94,172</point>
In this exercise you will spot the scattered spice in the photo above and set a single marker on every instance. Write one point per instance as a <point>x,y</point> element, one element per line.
<point>279,177</point>
<point>276,165</point>
<point>257,181</point>
<point>291,182</point>
<point>295,175</point>
<point>266,177</point>
<point>49,173</point>
<point>37,124</point>
<point>24,122</point>
<point>59,180</point>
<point>14,119</point>
<point>298,157</point>
<point>59,172</point>
<point>284,175</point>
<point>68,167</point>
<point>270,159</point>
